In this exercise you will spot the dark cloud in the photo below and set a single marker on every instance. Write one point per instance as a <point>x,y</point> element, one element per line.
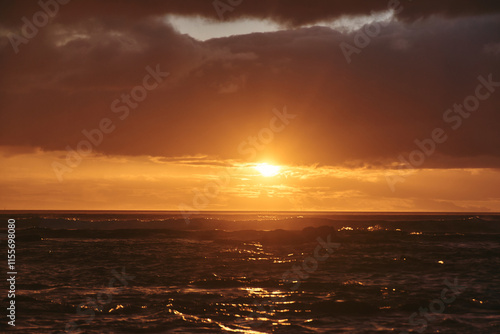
<point>222,91</point>
<point>292,12</point>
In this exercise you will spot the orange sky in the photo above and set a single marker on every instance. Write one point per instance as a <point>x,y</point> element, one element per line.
<point>168,107</point>
<point>197,184</point>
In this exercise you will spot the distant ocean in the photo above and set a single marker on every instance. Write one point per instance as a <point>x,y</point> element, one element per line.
<point>272,272</point>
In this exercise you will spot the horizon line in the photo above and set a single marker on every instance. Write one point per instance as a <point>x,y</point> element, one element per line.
<point>249,211</point>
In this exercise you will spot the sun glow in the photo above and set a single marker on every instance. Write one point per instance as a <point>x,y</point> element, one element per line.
<point>267,170</point>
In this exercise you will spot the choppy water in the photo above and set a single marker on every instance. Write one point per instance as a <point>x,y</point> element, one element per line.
<point>225,273</point>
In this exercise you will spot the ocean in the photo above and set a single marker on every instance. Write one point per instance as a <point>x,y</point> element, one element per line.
<point>250,272</point>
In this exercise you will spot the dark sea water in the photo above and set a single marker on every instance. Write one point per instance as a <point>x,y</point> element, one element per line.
<point>144,272</point>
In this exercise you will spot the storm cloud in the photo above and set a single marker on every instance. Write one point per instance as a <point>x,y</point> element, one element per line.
<point>396,88</point>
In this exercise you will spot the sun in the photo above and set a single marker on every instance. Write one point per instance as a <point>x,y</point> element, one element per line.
<point>267,170</point>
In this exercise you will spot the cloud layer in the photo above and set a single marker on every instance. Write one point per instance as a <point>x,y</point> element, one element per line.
<point>219,93</point>
<point>291,12</point>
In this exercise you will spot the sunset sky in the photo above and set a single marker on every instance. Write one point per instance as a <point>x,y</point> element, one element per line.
<point>250,105</point>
